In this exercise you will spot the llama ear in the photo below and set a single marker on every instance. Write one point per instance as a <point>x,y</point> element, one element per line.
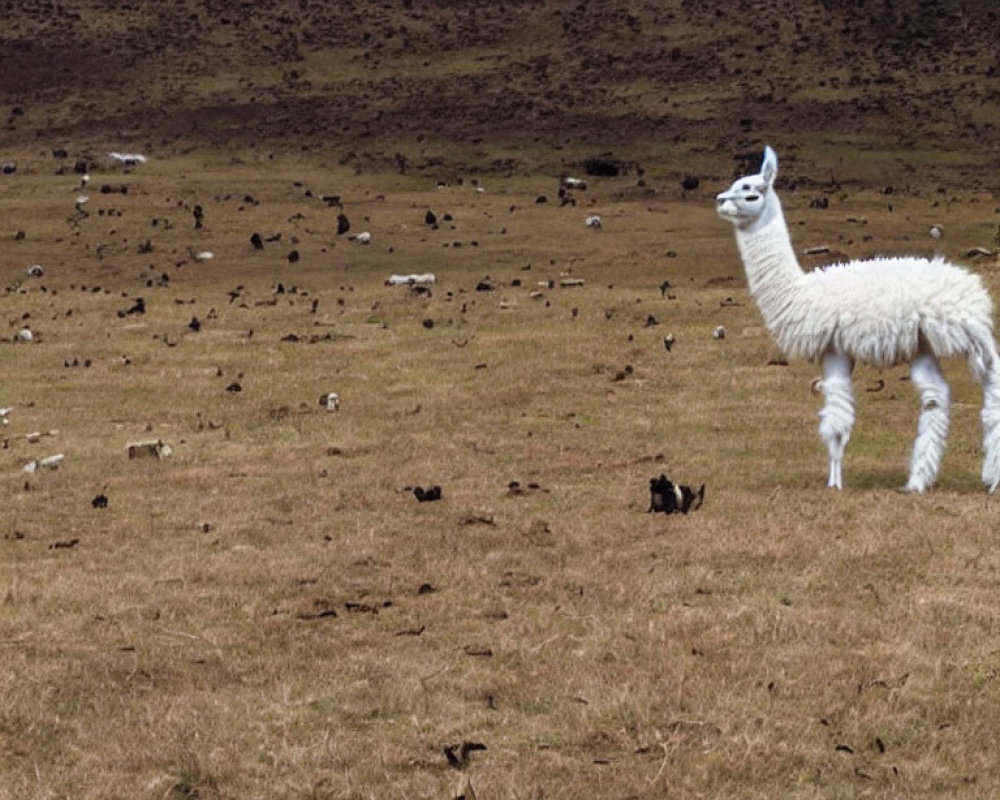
<point>769,167</point>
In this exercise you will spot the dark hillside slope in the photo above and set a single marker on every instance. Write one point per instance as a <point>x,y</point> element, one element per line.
<point>461,81</point>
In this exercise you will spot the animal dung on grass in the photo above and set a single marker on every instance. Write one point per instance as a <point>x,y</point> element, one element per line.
<point>670,497</point>
<point>153,448</point>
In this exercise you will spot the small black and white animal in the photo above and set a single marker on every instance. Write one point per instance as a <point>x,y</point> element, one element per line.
<point>668,497</point>
<point>427,495</point>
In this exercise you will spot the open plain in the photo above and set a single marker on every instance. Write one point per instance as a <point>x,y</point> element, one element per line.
<point>269,612</point>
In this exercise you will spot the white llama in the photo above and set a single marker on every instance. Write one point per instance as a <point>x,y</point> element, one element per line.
<point>883,312</point>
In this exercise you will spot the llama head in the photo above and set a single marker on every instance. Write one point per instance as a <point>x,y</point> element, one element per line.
<point>751,202</point>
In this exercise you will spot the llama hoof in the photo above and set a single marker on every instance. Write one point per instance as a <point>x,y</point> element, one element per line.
<point>912,488</point>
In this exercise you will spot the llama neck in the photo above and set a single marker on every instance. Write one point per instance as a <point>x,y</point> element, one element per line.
<point>773,271</point>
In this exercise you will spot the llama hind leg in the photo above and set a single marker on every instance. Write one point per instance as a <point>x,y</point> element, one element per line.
<point>991,433</point>
<point>836,418</point>
<point>985,366</point>
<point>932,427</point>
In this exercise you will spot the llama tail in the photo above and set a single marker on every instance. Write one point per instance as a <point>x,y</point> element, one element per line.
<point>984,362</point>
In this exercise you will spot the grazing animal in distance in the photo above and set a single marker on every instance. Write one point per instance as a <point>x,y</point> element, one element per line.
<point>882,312</point>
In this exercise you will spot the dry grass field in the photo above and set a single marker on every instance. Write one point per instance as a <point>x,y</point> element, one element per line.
<point>270,613</point>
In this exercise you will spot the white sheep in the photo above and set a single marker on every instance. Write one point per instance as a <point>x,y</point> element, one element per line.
<point>882,312</point>
<point>49,462</point>
<point>413,279</point>
<point>128,159</point>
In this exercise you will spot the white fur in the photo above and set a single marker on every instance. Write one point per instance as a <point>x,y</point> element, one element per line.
<point>883,312</point>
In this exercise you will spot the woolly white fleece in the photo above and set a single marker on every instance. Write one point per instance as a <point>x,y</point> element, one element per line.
<point>873,311</point>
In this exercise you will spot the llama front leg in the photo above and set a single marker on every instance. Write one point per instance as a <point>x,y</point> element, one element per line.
<point>932,427</point>
<point>985,366</point>
<point>836,418</point>
<point>991,432</point>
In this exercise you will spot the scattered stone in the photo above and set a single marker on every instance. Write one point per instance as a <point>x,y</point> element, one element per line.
<point>64,545</point>
<point>458,754</point>
<point>153,448</point>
